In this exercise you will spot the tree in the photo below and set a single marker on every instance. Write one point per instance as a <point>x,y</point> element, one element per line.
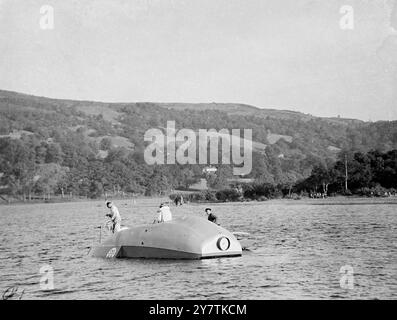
<point>219,179</point>
<point>321,176</point>
<point>17,163</point>
<point>288,181</point>
<point>187,177</point>
<point>158,183</point>
<point>48,177</point>
<point>106,144</point>
<point>54,153</point>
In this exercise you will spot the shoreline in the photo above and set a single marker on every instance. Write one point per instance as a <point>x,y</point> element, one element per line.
<point>338,200</point>
<point>86,200</point>
<point>152,201</point>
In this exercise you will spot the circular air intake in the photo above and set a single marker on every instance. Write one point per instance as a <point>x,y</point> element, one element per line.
<point>223,243</point>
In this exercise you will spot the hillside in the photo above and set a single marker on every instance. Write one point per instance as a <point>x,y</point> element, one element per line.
<point>80,135</point>
<point>247,110</point>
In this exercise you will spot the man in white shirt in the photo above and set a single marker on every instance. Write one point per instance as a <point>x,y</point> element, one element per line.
<point>114,216</point>
<point>164,214</point>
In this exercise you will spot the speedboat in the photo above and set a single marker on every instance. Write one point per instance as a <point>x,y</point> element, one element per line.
<point>188,237</point>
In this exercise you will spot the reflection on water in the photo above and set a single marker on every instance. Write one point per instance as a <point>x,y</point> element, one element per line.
<point>297,251</point>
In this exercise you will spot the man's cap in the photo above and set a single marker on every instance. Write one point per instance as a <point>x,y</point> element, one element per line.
<point>206,209</point>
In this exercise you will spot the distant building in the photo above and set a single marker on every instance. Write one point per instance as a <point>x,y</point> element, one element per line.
<point>102,154</point>
<point>210,170</point>
<point>240,180</point>
<point>16,134</point>
<point>333,149</point>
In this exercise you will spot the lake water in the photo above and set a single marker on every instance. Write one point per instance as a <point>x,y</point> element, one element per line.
<point>298,250</point>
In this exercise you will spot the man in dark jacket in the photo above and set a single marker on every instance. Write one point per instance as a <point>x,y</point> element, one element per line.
<point>211,217</point>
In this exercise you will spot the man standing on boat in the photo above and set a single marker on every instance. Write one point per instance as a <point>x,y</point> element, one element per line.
<point>211,217</point>
<point>164,214</point>
<point>114,216</point>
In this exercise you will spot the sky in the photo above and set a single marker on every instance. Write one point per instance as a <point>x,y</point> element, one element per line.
<point>281,54</point>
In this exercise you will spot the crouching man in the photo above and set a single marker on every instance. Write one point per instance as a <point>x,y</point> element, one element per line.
<point>164,214</point>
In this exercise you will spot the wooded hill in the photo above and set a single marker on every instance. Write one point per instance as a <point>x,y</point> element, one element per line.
<point>50,146</point>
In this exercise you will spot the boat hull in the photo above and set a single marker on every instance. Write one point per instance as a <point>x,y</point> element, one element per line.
<point>184,238</point>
